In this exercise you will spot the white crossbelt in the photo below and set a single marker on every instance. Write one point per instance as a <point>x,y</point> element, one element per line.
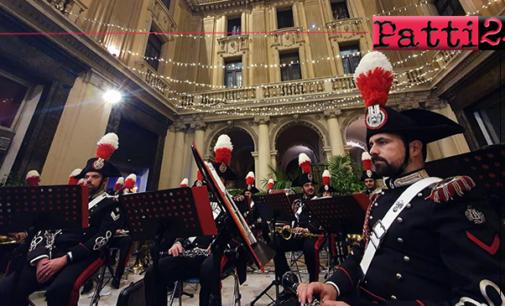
<point>381,226</point>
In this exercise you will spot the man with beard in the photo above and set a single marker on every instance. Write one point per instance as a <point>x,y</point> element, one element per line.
<point>369,177</point>
<point>426,241</point>
<point>61,260</point>
<point>304,223</point>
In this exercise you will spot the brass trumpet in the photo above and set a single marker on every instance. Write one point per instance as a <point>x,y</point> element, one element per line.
<point>288,233</point>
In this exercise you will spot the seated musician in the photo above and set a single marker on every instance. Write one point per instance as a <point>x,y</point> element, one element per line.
<point>190,258</point>
<point>440,243</point>
<point>369,177</point>
<point>304,223</point>
<point>61,260</point>
<point>326,189</point>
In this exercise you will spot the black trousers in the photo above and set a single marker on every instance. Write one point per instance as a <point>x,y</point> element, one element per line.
<point>124,245</point>
<point>172,269</point>
<point>61,290</point>
<point>308,245</point>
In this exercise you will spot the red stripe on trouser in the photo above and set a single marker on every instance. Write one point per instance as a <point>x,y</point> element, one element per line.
<point>224,260</point>
<point>320,241</point>
<point>95,265</point>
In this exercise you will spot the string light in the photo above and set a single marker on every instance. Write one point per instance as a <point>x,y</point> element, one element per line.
<point>315,30</point>
<point>269,85</point>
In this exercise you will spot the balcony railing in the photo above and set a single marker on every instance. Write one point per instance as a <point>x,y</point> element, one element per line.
<point>73,9</point>
<point>295,88</point>
<point>152,78</point>
<point>349,25</point>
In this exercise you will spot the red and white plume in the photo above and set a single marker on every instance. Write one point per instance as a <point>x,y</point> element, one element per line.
<point>81,182</point>
<point>367,161</point>
<point>33,178</point>
<point>119,184</point>
<point>249,179</point>
<point>107,145</point>
<point>223,149</point>
<point>130,181</point>
<point>199,176</point>
<point>304,162</point>
<point>270,184</point>
<point>374,77</point>
<point>326,177</point>
<point>71,179</point>
<point>184,182</point>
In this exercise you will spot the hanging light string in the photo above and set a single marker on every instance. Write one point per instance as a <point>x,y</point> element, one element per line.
<point>267,85</point>
<point>316,30</point>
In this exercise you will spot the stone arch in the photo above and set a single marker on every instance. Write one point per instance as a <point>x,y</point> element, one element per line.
<point>223,128</point>
<point>308,122</point>
<point>350,118</point>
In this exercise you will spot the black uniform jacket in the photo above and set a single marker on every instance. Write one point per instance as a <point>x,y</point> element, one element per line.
<point>445,253</point>
<point>305,219</point>
<point>104,220</point>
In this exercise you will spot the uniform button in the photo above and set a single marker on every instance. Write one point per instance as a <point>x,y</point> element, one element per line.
<point>393,297</point>
<point>371,217</point>
<point>408,206</point>
<point>406,258</point>
<point>420,194</point>
<point>366,282</point>
<point>399,276</point>
<point>400,240</point>
<point>376,204</point>
<point>400,220</point>
<point>382,193</point>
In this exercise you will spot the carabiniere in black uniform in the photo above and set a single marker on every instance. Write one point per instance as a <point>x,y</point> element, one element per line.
<point>82,247</point>
<point>433,254</point>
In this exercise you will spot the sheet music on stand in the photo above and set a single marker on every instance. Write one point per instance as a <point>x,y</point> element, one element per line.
<point>186,211</point>
<point>334,213</point>
<point>277,204</point>
<point>45,207</point>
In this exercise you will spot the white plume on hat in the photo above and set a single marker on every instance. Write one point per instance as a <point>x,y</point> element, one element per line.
<point>224,141</point>
<point>371,61</point>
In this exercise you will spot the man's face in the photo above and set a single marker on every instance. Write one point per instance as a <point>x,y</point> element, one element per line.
<point>308,189</point>
<point>247,194</point>
<point>388,153</point>
<point>370,183</point>
<point>326,194</point>
<point>94,181</point>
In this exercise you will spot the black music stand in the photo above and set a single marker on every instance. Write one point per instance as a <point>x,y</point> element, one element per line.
<point>273,207</point>
<point>182,212</point>
<point>483,166</point>
<point>41,208</point>
<point>231,224</point>
<point>340,216</point>
<point>296,196</point>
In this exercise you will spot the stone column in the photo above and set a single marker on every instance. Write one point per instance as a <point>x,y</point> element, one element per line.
<point>178,157</point>
<point>166,163</point>
<point>336,139</point>
<point>263,150</point>
<point>72,145</point>
<point>256,163</point>
<point>273,158</point>
<point>199,143</point>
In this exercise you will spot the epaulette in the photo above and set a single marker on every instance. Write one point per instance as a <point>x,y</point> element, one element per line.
<point>446,189</point>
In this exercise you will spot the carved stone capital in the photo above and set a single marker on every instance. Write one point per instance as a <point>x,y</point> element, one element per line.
<point>179,126</point>
<point>199,125</point>
<point>332,113</point>
<point>261,119</point>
